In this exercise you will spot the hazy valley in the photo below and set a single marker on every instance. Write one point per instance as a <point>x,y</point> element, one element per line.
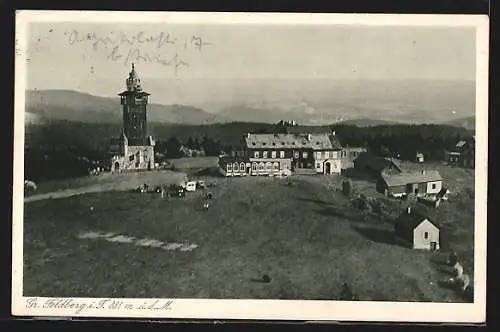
<point>307,101</point>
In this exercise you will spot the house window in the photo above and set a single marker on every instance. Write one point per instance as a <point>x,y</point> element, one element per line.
<point>304,155</point>
<point>269,166</point>
<point>296,154</point>
<point>235,167</point>
<point>229,167</point>
<point>131,158</point>
<point>273,154</point>
<point>264,154</point>
<point>433,186</point>
<point>335,154</point>
<point>282,154</point>
<point>261,166</point>
<point>276,166</point>
<point>426,235</point>
<point>254,166</point>
<point>242,167</point>
<point>318,165</point>
<point>256,154</point>
<point>318,155</point>
<point>327,154</point>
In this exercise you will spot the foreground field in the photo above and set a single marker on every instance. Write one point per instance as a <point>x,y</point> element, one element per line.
<point>300,231</point>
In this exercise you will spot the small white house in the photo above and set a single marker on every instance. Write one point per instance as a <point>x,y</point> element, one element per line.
<point>417,231</point>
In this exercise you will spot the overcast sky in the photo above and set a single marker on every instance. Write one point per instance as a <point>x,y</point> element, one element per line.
<point>61,56</point>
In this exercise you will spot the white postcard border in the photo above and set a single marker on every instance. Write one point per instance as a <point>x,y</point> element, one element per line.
<point>257,309</point>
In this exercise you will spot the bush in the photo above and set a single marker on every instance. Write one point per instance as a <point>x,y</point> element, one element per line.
<point>347,188</point>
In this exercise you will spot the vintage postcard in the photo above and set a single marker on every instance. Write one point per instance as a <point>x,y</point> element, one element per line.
<point>317,167</point>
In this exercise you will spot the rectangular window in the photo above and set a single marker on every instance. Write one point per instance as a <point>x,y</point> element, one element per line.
<point>327,154</point>
<point>256,154</point>
<point>296,155</point>
<point>131,158</point>
<point>282,154</point>
<point>264,154</point>
<point>273,154</point>
<point>426,235</point>
<point>318,155</point>
<point>318,165</point>
<point>433,186</point>
<point>229,167</point>
<point>335,154</point>
<point>304,155</point>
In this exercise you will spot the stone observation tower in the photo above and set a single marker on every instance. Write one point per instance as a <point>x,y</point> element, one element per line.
<point>134,149</point>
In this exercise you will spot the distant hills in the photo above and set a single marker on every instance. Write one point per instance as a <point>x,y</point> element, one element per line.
<point>47,105</point>
<point>467,122</point>
<point>345,105</point>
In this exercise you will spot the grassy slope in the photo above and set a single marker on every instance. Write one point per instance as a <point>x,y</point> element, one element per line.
<point>304,235</point>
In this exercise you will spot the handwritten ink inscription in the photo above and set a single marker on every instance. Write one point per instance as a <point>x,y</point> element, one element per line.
<point>162,48</point>
<point>78,306</point>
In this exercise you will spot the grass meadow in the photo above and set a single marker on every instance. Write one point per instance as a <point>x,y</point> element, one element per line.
<point>301,231</point>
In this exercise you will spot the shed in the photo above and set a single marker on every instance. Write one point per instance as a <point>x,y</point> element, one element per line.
<point>417,231</point>
<point>424,182</point>
<point>376,165</point>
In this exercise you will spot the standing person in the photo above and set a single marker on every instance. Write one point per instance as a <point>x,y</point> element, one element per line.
<point>452,258</point>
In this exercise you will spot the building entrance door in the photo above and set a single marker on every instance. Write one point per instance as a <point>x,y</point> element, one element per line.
<point>328,168</point>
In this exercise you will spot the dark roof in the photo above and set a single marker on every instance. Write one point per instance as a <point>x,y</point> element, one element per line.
<point>293,141</point>
<point>406,223</point>
<point>376,162</point>
<point>402,179</point>
<point>137,93</point>
<point>232,159</point>
<point>298,129</point>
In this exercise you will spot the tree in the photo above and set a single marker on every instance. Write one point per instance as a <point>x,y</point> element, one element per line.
<point>190,143</point>
<point>347,188</point>
<point>173,146</point>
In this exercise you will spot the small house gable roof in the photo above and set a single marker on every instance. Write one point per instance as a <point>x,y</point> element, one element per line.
<point>407,222</point>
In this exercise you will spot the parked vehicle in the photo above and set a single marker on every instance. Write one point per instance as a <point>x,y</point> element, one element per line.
<point>190,185</point>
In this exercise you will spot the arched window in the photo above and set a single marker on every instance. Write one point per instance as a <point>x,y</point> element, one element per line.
<point>229,168</point>
<point>261,166</point>
<point>269,166</point>
<point>235,167</point>
<point>242,167</point>
<point>276,166</point>
<point>254,166</point>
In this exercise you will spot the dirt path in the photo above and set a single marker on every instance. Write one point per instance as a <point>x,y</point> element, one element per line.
<point>108,182</point>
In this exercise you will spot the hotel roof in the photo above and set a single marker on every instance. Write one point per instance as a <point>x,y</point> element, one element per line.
<point>322,141</point>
